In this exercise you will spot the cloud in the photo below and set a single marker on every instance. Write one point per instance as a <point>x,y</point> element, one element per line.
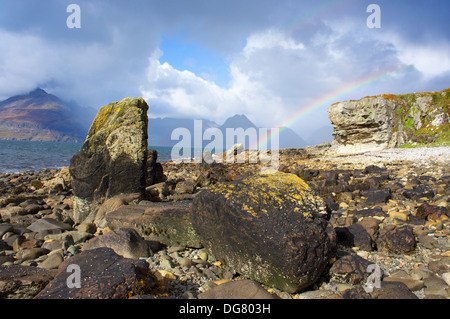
<point>282,56</point>
<point>91,73</point>
<point>276,74</point>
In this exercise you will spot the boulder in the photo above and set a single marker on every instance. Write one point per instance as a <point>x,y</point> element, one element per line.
<point>47,225</point>
<point>166,222</point>
<point>238,289</point>
<point>103,275</point>
<point>125,242</point>
<point>113,158</point>
<point>155,172</point>
<point>397,240</point>
<point>271,228</point>
<point>351,268</point>
<point>393,290</point>
<point>354,235</point>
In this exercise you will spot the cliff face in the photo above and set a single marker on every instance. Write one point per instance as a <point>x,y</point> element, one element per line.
<point>388,121</point>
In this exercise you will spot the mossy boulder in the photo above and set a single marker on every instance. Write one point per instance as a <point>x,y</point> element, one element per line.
<point>271,228</point>
<point>113,158</point>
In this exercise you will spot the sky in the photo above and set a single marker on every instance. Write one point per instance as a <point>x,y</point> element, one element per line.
<point>279,62</point>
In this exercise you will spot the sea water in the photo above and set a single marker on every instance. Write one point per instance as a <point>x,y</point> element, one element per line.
<point>25,156</point>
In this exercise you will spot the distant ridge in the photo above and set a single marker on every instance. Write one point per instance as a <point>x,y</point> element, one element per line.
<point>160,131</point>
<point>40,116</point>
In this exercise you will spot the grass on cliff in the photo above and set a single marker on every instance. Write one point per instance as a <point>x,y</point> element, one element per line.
<point>407,110</point>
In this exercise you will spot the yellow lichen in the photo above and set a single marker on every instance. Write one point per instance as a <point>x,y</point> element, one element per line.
<point>276,190</point>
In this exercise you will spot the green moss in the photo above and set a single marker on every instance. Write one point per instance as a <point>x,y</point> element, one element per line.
<point>406,111</point>
<point>409,123</point>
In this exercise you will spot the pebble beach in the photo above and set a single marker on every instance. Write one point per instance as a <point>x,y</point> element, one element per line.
<point>388,208</point>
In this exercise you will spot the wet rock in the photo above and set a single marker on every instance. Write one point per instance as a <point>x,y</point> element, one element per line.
<point>352,293</point>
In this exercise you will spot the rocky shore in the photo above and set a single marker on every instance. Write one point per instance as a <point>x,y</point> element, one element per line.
<point>387,208</point>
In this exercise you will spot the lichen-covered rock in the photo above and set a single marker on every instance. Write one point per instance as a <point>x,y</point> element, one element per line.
<point>271,228</point>
<point>113,158</point>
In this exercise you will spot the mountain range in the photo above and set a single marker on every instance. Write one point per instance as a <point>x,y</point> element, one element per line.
<point>160,131</point>
<point>40,116</point>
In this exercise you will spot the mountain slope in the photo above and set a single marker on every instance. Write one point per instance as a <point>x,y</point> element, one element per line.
<point>39,116</point>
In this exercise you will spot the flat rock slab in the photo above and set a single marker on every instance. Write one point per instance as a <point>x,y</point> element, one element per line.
<point>125,242</point>
<point>23,282</point>
<point>48,224</point>
<point>167,222</point>
<point>392,290</point>
<point>103,275</point>
<point>239,289</point>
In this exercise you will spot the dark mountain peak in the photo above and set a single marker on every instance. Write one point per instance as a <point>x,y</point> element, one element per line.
<point>238,120</point>
<point>41,116</point>
<point>37,93</point>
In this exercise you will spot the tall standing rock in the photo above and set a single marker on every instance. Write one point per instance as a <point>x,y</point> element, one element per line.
<point>113,158</point>
<point>271,228</point>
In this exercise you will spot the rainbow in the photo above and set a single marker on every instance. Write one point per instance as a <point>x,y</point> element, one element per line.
<point>331,97</point>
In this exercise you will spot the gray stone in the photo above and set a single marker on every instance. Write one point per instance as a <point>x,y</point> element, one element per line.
<point>78,236</point>
<point>239,289</point>
<point>31,253</point>
<point>125,242</point>
<point>46,224</point>
<point>52,261</point>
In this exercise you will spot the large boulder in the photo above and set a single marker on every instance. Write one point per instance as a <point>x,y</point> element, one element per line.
<point>271,228</point>
<point>102,275</point>
<point>113,158</point>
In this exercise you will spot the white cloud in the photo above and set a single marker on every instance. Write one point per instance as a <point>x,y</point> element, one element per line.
<point>93,74</point>
<point>171,92</point>
<point>273,77</point>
